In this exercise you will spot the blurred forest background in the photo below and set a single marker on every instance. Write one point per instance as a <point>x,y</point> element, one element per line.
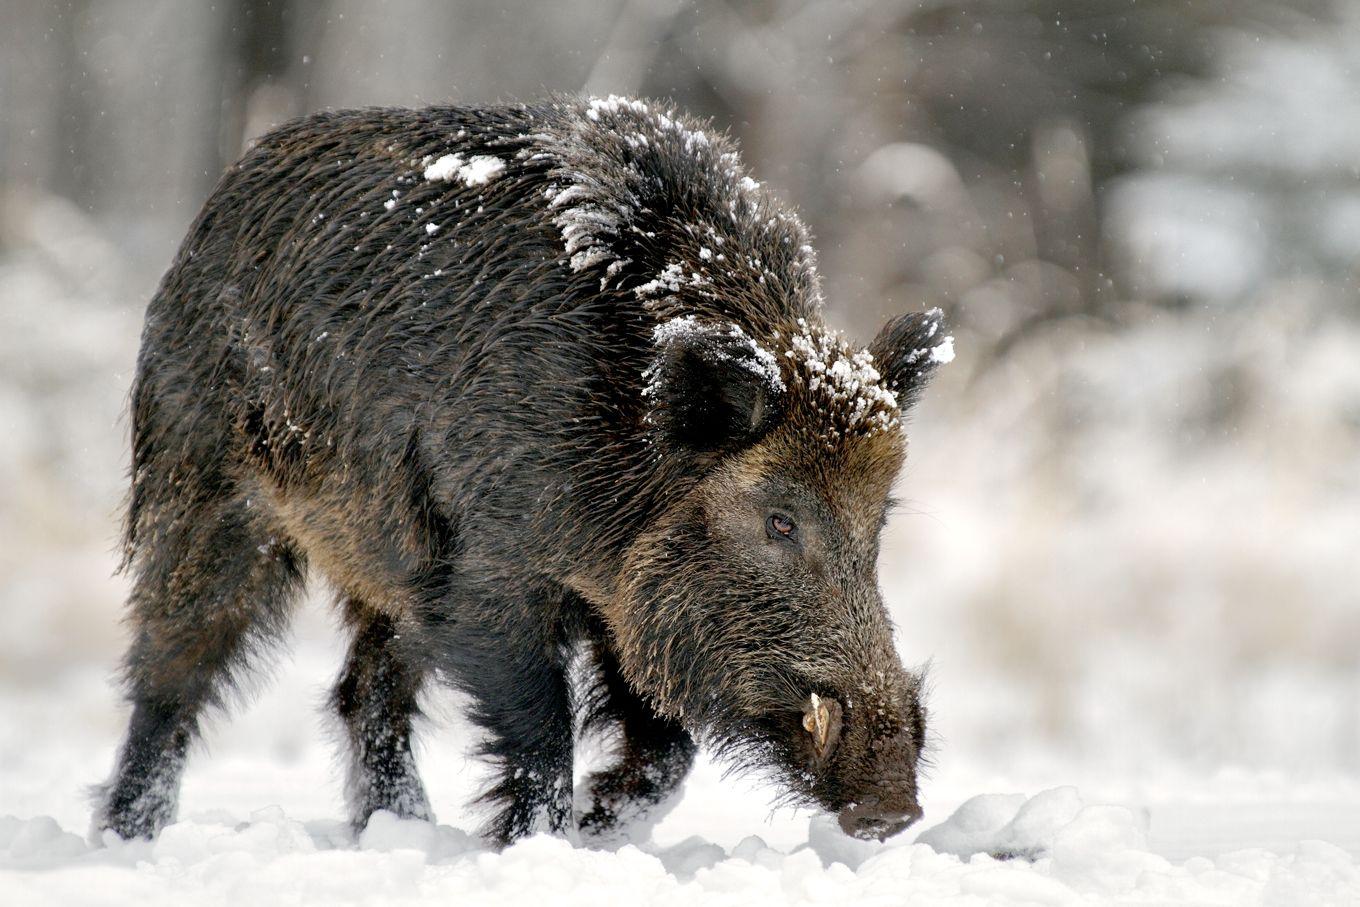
<point>1133,536</point>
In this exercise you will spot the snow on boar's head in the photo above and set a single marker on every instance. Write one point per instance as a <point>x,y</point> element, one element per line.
<point>751,609</point>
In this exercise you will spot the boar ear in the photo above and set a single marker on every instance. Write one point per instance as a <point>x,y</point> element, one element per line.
<point>908,350</point>
<point>713,389</point>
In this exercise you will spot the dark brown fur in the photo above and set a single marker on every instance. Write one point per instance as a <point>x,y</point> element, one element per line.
<point>503,419</point>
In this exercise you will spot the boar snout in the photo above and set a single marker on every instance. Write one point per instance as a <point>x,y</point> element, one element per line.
<point>871,819</point>
<point>886,802</point>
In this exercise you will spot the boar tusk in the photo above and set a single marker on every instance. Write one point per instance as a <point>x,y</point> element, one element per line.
<point>821,720</point>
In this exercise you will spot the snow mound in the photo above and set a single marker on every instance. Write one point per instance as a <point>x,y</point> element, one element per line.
<point>1075,852</point>
<point>1008,825</point>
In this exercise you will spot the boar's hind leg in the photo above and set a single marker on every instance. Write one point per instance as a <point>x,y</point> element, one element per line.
<point>627,799</point>
<point>211,588</point>
<point>376,699</point>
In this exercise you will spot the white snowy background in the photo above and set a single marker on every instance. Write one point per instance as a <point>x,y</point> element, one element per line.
<point>1131,550</point>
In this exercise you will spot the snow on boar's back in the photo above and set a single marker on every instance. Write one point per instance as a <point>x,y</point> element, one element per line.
<point>532,387</point>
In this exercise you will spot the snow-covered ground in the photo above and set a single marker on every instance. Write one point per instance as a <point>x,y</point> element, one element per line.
<point>261,824</point>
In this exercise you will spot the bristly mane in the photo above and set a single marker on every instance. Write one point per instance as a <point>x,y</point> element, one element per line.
<point>712,234</point>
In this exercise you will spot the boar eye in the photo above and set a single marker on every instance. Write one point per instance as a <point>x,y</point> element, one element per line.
<point>778,526</point>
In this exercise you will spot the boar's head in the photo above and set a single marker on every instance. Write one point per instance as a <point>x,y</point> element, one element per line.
<point>750,608</point>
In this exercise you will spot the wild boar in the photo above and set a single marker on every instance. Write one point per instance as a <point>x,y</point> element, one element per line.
<point>521,382</point>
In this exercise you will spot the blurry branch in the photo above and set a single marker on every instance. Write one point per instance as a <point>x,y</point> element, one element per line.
<point>631,47</point>
<point>258,92</point>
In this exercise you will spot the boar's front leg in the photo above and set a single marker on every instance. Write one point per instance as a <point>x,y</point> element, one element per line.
<point>624,801</point>
<point>376,699</point>
<point>508,655</point>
